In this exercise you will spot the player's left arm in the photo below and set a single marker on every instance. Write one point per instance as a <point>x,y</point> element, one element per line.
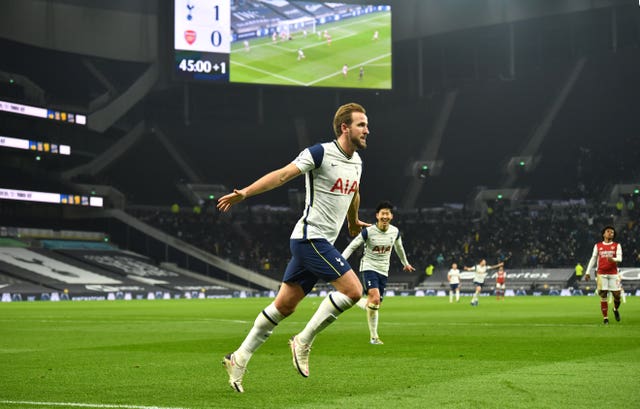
<point>399,249</point>
<point>353,221</point>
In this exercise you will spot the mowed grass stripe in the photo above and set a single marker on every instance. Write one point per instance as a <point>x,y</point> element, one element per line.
<point>522,352</point>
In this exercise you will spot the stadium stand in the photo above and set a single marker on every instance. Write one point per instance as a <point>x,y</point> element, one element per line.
<point>285,9</point>
<point>190,134</point>
<point>251,16</point>
<point>78,268</point>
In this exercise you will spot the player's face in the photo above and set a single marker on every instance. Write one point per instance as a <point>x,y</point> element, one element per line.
<point>384,217</point>
<point>608,234</point>
<point>358,131</point>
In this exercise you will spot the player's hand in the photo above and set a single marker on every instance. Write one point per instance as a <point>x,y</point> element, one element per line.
<point>226,201</point>
<point>355,229</point>
<point>587,277</point>
<point>409,268</point>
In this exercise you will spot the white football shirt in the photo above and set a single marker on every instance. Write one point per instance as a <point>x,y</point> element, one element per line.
<point>454,276</point>
<point>377,248</point>
<point>331,180</point>
<point>480,273</point>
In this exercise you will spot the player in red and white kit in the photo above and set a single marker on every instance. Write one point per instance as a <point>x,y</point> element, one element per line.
<point>607,254</point>
<point>500,283</point>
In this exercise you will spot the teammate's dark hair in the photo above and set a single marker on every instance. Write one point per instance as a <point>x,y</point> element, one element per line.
<point>385,204</point>
<point>608,227</point>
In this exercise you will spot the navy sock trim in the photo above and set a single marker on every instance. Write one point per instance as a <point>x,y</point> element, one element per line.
<point>269,318</point>
<point>334,304</point>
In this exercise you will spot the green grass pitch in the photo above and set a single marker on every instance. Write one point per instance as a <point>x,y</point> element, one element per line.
<point>524,352</point>
<point>351,43</point>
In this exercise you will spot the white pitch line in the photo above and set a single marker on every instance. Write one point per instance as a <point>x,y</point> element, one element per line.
<point>84,405</point>
<point>282,77</point>
<point>340,71</point>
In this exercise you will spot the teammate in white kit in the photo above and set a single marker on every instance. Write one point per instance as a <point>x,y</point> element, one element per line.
<point>453,277</point>
<point>480,270</point>
<point>374,265</point>
<point>332,178</point>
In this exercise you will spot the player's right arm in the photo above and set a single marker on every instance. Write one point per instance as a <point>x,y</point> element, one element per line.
<point>354,223</point>
<point>267,182</point>
<point>592,262</point>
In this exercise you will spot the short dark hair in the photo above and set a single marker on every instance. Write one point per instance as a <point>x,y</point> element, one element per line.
<point>385,204</point>
<point>608,227</point>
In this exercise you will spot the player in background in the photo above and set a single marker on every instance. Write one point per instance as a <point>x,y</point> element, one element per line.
<point>300,54</point>
<point>361,73</point>
<point>332,177</point>
<point>623,294</point>
<point>480,270</point>
<point>247,48</point>
<point>606,256</point>
<point>453,277</point>
<point>500,283</point>
<point>375,35</point>
<point>345,70</point>
<point>274,37</point>
<point>374,265</point>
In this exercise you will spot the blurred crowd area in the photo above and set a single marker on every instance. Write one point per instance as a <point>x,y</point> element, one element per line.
<point>534,235</point>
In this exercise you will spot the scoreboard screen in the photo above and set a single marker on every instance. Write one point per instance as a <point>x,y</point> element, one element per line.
<point>281,42</point>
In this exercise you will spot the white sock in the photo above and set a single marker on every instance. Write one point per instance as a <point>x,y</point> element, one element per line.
<point>262,328</point>
<point>333,305</point>
<point>362,303</point>
<point>372,319</point>
<point>450,296</point>
<point>457,295</point>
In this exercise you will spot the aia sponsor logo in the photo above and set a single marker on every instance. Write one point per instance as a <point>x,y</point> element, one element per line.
<point>190,36</point>
<point>381,249</point>
<point>346,187</point>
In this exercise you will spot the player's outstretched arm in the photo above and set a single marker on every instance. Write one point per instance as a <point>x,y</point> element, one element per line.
<point>267,182</point>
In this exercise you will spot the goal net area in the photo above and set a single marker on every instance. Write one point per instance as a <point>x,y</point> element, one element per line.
<point>298,25</point>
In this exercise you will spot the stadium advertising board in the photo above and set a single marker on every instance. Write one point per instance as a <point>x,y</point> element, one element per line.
<point>281,42</point>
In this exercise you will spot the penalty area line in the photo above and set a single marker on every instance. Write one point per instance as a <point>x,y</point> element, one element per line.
<point>84,405</point>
